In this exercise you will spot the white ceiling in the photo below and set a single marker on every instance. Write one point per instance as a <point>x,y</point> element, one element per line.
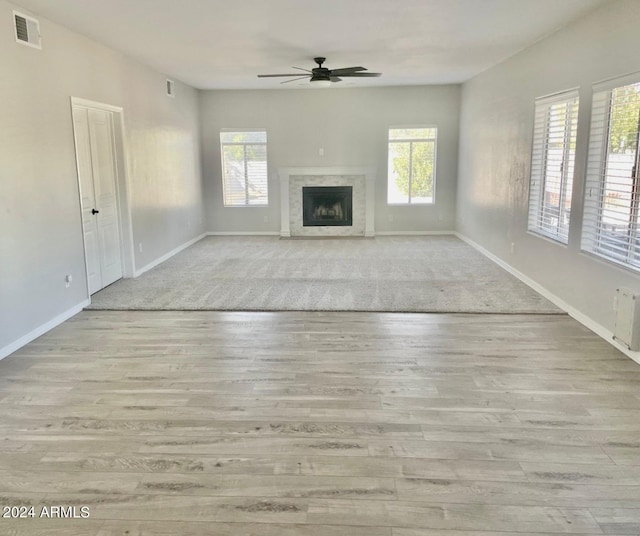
<point>215,44</point>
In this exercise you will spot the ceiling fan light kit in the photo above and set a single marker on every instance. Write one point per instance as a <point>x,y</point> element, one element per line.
<point>321,76</point>
<point>320,82</point>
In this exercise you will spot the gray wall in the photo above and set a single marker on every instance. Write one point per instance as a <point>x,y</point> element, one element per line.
<point>40,229</point>
<point>495,154</point>
<point>352,127</point>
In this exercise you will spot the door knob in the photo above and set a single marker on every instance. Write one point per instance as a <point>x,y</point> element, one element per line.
<point>94,211</point>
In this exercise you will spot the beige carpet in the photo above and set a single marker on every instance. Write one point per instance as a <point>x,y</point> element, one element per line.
<point>421,274</point>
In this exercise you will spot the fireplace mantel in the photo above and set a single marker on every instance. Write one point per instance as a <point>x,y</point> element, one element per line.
<point>286,173</point>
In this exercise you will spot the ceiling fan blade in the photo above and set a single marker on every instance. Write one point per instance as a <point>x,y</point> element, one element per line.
<point>301,69</point>
<point>361,74</point>
<point>272,75</point>
<point>336,79</point>
<point>294,79</point>
<point>346,70</point>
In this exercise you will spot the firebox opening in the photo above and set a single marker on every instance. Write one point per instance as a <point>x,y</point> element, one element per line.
<point>327,205</point>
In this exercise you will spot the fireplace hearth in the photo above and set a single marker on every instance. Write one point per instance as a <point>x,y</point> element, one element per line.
<point>327,205</point>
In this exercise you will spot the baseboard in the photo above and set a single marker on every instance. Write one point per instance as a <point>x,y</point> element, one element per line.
<point>414,233</point>
<point>243,233</point>
<point>377,233</point>
<point>167,256</point>
<point>41,330</point>
<point>574,313</point>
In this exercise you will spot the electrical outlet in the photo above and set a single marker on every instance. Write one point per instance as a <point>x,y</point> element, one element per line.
<point>140,247</point>
<point>67,280</point>
<point>321,151</point>
<point>513,247</point>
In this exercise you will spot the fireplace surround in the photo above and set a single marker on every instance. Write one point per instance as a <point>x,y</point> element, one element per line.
<point>294,179</point>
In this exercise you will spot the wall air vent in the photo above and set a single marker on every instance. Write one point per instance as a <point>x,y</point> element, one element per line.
<point>27,30</point>
<point>171,88</point>
<point>626,330</point>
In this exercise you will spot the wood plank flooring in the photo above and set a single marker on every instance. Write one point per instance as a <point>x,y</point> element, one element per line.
<point>320,424</point>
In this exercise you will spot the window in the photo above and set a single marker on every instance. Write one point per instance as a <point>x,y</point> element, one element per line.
<point>244,167</point>
<point>552,165</point>
<point>412,165</point>
<point>612,197</point>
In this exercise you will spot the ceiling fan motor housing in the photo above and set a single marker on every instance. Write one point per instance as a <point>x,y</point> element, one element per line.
<point>320,72</point>
<point>320,75</point>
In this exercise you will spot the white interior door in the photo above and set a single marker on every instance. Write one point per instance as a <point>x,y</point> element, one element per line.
<point>104,181</point>
<point>95,152</point>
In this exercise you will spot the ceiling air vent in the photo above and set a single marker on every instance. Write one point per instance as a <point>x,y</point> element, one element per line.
<point>27,30</point>
<point>171,88</point>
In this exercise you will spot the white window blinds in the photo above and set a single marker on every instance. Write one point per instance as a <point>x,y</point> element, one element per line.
<point>610,227</point>
<point>244,167</point>
<point>552,165</point>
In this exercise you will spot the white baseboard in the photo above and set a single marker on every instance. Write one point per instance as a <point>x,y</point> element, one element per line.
<point>574,313</point>
<point>414,233</point>
<point>377,233</point>
<point>41,330</point>
<point>247,233</point>
<point>167,256</point>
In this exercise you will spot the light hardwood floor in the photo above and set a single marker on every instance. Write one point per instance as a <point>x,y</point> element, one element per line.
<point>314,424</point>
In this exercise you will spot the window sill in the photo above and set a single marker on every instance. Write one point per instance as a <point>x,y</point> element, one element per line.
<point>245,206</point>
<point>411,204</point>
<point>546,237</point>
<point>611,263</point>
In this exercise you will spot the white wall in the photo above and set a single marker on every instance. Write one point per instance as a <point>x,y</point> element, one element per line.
<point>352,127</point>
<point>40,229</point>
<point>495,154</point>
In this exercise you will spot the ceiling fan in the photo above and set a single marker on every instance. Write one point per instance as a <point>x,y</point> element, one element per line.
<point>323,77</point>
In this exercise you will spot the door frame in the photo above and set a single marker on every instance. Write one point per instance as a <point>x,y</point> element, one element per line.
<point>123,195</point>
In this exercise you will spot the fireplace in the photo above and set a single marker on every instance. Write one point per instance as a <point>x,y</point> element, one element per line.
<point>294,179</point>
<point>327,205</point>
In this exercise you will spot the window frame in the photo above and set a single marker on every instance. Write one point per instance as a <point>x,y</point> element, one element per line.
<point>244,145</point>
<point>411,141</point>
<point>539,170</point>
<point>596,180</point>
